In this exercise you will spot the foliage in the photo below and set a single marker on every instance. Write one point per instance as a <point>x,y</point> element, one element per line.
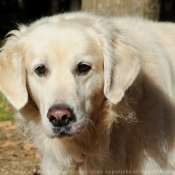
<point>6,111</point>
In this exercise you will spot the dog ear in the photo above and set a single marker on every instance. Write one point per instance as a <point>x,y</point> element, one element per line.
<point>121,65</point>
<point>12,74</point>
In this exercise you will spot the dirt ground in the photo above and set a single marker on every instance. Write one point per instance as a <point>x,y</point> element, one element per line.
<point>16,157</point>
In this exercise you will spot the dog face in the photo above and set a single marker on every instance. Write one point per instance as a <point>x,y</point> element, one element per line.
<point>65,77</point>
<point>68,68</point>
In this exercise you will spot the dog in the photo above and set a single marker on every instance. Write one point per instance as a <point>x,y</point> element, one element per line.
<point>96,95</point>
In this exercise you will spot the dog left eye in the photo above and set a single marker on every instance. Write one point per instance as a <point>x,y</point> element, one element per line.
<point>40,70</point>
<point>83,69</point>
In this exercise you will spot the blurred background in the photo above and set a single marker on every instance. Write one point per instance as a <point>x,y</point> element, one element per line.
<point>25,11</point>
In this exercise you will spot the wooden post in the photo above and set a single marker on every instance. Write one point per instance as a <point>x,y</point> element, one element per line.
<point>144,8</point>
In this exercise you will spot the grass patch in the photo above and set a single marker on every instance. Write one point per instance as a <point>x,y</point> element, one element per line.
<point>6,112</point>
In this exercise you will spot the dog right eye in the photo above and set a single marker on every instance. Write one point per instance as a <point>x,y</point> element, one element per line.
<point>83,69</point>
<point>40,70</point>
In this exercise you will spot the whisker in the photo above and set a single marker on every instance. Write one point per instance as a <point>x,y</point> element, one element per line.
<point>89,121</point>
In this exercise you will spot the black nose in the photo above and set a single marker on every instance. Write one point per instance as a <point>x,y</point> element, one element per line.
<point>60,115</point>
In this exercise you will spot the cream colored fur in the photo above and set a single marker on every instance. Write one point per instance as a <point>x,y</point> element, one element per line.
<point>125,105</point>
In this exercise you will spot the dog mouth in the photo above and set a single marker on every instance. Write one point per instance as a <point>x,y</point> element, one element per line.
<point>62,132</point>
<point>68,131</point>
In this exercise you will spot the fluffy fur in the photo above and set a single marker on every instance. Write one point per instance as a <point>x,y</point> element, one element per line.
<point>124,106</point>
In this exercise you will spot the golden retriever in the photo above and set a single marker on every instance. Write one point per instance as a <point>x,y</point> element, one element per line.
<point>95,94</point>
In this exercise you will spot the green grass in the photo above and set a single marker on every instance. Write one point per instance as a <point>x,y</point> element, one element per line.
<point>6,111</point>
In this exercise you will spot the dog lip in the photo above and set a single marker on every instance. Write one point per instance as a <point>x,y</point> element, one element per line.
<point>61,131</point>
<point>65,132</point>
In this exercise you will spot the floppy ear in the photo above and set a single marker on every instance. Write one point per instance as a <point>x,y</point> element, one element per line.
<point>12,74</point>
<point>121,65</point>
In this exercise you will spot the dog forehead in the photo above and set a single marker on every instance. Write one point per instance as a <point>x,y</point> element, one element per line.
<point>56,31</point>
<point>60,41</point>
<point>59,36</point>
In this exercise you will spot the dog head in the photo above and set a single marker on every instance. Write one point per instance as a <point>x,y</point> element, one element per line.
<point>68,65</point>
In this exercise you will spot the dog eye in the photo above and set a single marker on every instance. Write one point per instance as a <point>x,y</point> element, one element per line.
<point>40,70</point>
<point>83,69</point>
